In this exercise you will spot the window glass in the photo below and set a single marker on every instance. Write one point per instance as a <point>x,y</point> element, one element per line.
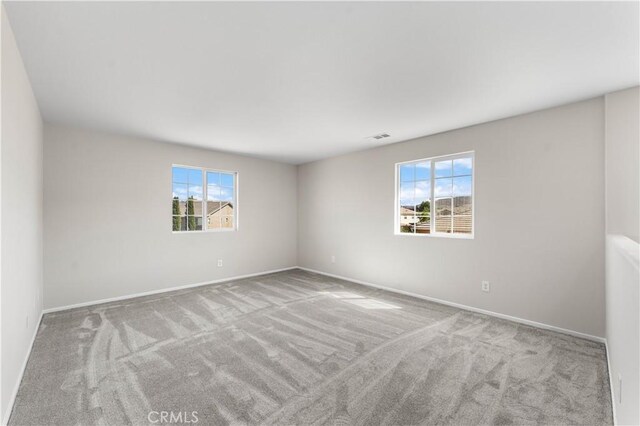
<point>213,178</point>
<point>443,168</point>
<point>451,209</point>
<point>407,172</point>
<point>462,185</point>
<point>180,191</point>
<point>423,171</point>
<point>226,180</point>
<point>180,175</point>
<point>462,166</point>
<point>191,186</point>
<point>443,187</point>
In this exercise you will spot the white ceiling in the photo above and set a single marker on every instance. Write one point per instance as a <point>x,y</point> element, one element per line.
<point>297,82</point>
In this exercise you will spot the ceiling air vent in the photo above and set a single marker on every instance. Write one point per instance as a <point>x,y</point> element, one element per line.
<point>380,136</point>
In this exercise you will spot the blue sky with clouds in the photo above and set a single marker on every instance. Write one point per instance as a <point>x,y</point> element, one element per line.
<point>452,178</point>
<point>189,183</point>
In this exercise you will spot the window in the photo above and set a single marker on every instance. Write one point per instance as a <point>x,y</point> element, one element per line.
<point>203,200</point>
<point>434,196</point>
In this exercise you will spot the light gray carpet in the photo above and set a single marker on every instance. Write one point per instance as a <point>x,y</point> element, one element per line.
<point>301,348</point>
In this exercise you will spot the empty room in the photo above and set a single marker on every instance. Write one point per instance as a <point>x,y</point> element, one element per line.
<point>319,213</point>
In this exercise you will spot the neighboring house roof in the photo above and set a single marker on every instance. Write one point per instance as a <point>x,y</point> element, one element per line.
<point>406,211</point>
<point>213,207</point>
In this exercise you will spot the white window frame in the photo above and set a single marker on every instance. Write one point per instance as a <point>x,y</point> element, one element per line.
<point>236,182</point>
<point>432,160</point>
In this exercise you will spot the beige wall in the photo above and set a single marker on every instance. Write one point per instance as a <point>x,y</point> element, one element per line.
<point>539,236</point>
<point>108,218</point>
<point>21,217</point>
<point>622,177</point>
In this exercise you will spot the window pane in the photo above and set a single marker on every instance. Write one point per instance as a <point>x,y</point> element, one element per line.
<point>443,207</point>
<point>226,179</point>
<point>443,168</point>
<point>423,206</point>
<point>226,194</point>
<point>178,208</point>
<point>422,190</point>
<point>180,175</point>
<point>213,193</point>
<point>180,191</point>
<point>227,221</point>
<point>443,215</point>
<point>213,178</point>
<point>462,224</point>
<point>406,193</point>
<point>176,223</point>
<point>213,206</point>
<point>407,218</point>
<point>194,223</point>
<point>213,222</point>
<point>423,225</point>
<point>423,217</point>
<point>183,223</point>
<point>443,187</point>
<point>423,171</point>
<point>462,185</point>
<point>219,215</point>
<point>407,172</point>
<point>462,205</point>
<point>194,208</point>
<point>462,166</point>
<point>175,206</point>
<point>227,209</point>
<point>195,192</point>
<point>407,229</point>
<point>195,177</point>
<point>443,224</point>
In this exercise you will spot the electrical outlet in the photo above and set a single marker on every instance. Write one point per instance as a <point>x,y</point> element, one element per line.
<point>219,263</point>
<point>486,286</point>
<point>333,259</point>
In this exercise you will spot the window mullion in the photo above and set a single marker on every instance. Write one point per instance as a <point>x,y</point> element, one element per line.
<point>432,213</point>
<point>205,185</point>
<point>452,231</point>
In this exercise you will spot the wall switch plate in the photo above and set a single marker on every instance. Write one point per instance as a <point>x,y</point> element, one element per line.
<point>333,259</point>
<point>219,263</point>
<point>486,286</point>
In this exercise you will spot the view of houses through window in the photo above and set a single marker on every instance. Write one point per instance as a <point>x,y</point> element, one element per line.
<point>435,196</point>
<point>203,199</point>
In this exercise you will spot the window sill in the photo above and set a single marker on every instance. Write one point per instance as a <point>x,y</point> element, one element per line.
<point>443,235</point>
<point>212,231</point>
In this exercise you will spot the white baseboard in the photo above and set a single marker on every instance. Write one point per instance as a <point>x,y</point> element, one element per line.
<point>14,394</point>
<point>466,307</point>
<point>613,396</point>
<point>163,290</point>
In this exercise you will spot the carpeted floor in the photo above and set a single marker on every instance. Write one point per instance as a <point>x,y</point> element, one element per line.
<point>301,348</point>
